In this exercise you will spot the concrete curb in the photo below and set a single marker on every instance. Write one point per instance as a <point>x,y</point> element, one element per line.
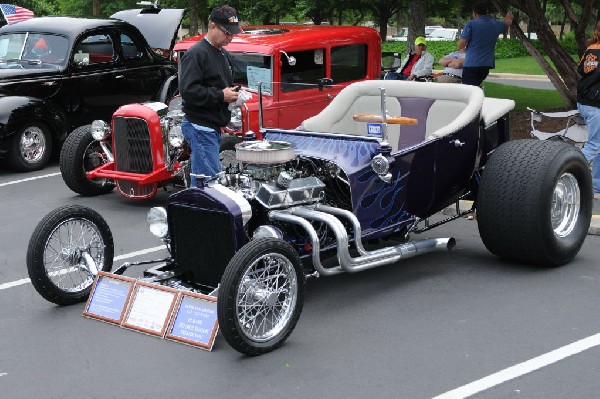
<point>466,205</point>
<point>519,76</point>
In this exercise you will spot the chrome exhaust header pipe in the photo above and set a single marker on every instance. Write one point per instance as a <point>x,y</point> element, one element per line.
<point>367,259</point>
<point>316,247</point>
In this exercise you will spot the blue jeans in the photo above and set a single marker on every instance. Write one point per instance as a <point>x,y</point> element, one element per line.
<point>395,76</point>
<point>205,144</point>
<point>591,148</point>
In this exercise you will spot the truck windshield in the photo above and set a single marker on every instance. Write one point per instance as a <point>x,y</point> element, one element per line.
<point>250,69</point>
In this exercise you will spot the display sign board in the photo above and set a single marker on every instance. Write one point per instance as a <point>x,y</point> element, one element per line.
<point>195,320</point>
<point>109,297</point>
<point>150,308</point>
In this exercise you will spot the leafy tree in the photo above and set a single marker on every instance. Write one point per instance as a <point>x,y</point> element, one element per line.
<point>565,78</point>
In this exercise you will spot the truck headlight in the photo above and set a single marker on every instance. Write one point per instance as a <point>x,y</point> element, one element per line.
<point>157,221</point>
<point>176,136</point>
<point>100,130</point>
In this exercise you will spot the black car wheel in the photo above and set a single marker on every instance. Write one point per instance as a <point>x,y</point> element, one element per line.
<point>80,154</point>
<point>534,203</point>
<point>261,296</point>
<point>66,251</point>
<point>31,148</point>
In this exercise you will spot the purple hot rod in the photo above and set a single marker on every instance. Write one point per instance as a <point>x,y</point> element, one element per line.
<point>381,159</point>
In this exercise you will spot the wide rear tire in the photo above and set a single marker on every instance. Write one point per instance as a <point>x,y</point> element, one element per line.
<point>534,203</point>
<point>261,296</point>
<point>80,154</point>
<point>60,251</point>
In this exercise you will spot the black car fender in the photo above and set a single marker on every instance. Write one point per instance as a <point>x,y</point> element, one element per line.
<point>16,111</point>
<point>168,89</point>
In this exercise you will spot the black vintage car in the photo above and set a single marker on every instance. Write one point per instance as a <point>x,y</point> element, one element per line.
<point>61,73</point>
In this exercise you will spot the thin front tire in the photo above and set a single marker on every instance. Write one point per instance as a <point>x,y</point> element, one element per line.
<point>66,250</point>
<point>261,296</point>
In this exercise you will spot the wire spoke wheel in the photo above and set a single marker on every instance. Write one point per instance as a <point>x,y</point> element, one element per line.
<point>67,249</point>
<point>261,296</point>
<point>266,297</point>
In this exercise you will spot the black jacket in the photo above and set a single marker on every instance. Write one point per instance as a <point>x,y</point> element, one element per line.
<point>588,89</point>
<point>204,71</point>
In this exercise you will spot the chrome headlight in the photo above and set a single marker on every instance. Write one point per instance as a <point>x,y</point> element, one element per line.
<point>157,221</point>
<point>100,130</point>
<point>176,136</point>
<point>236,119</point>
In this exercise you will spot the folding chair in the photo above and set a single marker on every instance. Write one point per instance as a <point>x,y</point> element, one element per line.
<point>575,130</point>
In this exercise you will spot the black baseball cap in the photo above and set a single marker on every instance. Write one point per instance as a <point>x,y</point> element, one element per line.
<point>226,17</point>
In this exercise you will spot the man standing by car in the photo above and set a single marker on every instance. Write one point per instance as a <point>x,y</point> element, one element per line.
<point>479,39</point>
<point>205,84</point>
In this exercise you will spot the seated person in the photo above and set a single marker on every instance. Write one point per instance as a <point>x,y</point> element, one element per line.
<point>416,65</point>
<point>453,67</point>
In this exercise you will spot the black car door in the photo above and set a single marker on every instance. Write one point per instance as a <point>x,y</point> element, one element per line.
<point>97,84</point>
<point>144,72</point>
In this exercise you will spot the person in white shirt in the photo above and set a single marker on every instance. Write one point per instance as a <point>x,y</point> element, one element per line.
<point>415,66</point>
<point>453,67</point>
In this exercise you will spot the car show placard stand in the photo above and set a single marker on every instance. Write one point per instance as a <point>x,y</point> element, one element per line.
<point>109,297</point>
<point>195,320</point>
<point>182,316</point>
<point>150,308</point>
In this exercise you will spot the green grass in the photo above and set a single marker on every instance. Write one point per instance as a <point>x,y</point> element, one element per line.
<point>534,98</point>
<point>524,65</point>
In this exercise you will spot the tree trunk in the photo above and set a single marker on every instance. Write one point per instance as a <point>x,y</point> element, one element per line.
<point>416,22</point>
<point>96,8</point>
<point>565,78</point>
<point>193,13</point>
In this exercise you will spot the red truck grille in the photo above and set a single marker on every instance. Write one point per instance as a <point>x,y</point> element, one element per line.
<point>132,146</point>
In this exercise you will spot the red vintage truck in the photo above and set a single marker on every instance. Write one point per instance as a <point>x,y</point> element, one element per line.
<point>300,68</point>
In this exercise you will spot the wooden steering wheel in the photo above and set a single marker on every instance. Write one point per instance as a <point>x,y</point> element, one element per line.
<point>392,120</point>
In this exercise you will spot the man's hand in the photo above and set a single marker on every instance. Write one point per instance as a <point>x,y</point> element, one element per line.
<point>230,95</point>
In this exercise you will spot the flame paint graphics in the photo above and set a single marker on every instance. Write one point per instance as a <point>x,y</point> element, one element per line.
<point>350,155</point>
<point>382,205</point>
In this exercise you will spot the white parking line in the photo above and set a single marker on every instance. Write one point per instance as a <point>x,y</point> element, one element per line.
<point>522,368</point>
<point>29,179</point>
<point>116,258</point>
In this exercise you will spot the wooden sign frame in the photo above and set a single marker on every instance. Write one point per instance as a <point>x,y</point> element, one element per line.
<point>115,299</point>
<point>145,306</point>
<point>200,326</point>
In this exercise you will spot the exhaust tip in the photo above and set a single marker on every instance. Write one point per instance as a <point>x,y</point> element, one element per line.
<point>451,243</point>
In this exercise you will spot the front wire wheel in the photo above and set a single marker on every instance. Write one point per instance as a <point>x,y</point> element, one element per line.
<point>66,251</point>
<point>261,296</point>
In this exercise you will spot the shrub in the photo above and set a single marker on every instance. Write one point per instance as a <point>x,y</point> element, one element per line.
<point>505,48</point>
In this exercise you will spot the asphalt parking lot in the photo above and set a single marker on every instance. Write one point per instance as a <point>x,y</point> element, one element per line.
<point>438,325</point>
